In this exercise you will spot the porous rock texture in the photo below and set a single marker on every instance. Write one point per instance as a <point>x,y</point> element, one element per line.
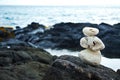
<point>23,63</point>
<point>72,68</point>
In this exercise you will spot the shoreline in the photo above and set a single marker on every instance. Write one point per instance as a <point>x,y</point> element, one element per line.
<point>23,54</point>
<point>67,36</point>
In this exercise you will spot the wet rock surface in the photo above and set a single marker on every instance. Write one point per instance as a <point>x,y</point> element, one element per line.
<point>13,43</point>
<point>72,68</point>
<point>67,36</point>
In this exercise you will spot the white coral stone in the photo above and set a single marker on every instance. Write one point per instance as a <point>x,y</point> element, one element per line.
<point>90,57</point>
<point>89,31</point>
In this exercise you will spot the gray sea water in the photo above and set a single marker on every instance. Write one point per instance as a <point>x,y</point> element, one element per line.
<point>50,15</point>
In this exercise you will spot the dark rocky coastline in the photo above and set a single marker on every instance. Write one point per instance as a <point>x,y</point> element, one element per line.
<point>22,56</point>
<point>28,63</point>
<point>67,36</point>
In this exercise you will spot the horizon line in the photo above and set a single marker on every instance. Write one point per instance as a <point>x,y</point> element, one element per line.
<point>63,5</point>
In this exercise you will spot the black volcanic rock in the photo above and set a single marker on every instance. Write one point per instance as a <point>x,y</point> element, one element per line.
<point>32,28</point>
<point>27,63</point>
<point>67,36</point>
<point>63,35</point>
<point>110,35</point>
<point>118,71</point>
<point>117,25</point>
<point>24,63</point>
<point>13,43</point>
<point>72,68</point>
<point>19,61</point>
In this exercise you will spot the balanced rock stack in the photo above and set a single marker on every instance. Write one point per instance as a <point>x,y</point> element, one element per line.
<point>91,55</point>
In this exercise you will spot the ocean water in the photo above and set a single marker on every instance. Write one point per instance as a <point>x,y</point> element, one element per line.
<point>50,15</point>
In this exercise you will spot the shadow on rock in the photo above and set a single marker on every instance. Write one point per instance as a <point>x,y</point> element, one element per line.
<point>23,63</point>
<point>72,68</point>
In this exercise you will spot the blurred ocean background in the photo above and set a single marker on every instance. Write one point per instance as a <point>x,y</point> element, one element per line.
<point>50,15</point>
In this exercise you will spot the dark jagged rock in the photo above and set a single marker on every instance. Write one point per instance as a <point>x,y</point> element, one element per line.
<point>67,36</point>
<point>31,29</point>
<point>118,71</point>
<point>72,68</point>
<point>23,54</point>
<point>117,25</point>
<point>12,43</point>
<point>111,38</point>
<point>23,63</point>
<point>18,27</point>
<point>63,35</point>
